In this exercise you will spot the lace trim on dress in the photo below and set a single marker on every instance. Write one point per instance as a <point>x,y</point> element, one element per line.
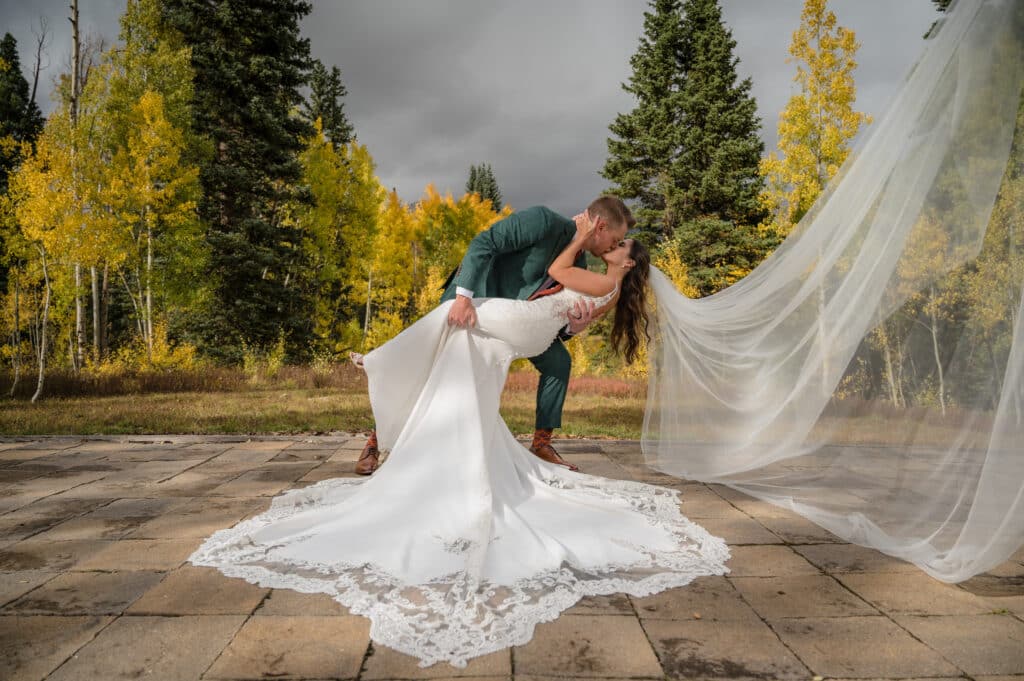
<point>457,617</point>
<point>562,302</point>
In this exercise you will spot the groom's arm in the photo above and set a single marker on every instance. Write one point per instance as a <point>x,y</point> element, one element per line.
<point>516,232</point>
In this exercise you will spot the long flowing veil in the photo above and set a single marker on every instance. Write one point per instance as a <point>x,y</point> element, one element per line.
<point>869,375</point>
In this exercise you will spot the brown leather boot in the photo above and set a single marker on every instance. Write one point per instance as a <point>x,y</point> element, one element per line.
<point>369,460</point>
<point>542,449</point>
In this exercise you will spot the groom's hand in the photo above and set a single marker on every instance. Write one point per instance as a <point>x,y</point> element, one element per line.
<point>580,316</point>
<point>462,312</point>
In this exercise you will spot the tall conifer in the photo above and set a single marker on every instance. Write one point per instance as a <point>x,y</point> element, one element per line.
<point>646,140</point>
<point>20,119</point>
<point>482,181</point>
<point>250,62</point>
<point>326,92</point>
<point>689,152</point>
<point>716,170</point>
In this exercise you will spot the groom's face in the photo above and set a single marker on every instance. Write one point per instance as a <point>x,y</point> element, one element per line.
<point>607,237</point>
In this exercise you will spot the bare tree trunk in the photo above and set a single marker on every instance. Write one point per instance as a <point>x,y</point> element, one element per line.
<point>995,382</point>
<point>890,372</point>
<point>141,308</point>
<point>369,292</point>
<point>40,48</point>
<point>42,331</point>
<point>826,389</point>
<point>135,305</point>
<point>76,84</point>
<point>900,351</point>
<point>16,356</point>
<point>77,356</point>
<point>149,291</point>
<point>104,309</point>
<point>76,62</point>
<point>33,330</point>
<point>935,348</point>
<point>94,276</point>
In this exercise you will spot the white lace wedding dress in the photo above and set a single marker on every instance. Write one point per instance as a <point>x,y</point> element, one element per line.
<point>463,540</point>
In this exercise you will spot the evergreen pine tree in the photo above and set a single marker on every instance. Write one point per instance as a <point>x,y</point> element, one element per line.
<point>326,92</point>
<point>716,208</point>
<point>689,152</point>
<point>646,140</point>
<point>490,189</point>
<point>250,62</point>
<point>20,118</point>
<point>716,170</point>
<point>20,122</point>
<point>482,181</point>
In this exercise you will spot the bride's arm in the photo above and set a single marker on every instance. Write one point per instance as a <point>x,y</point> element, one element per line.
<point>577,278</point>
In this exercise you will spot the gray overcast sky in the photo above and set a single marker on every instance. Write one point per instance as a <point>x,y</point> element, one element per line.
<point>527,86</point>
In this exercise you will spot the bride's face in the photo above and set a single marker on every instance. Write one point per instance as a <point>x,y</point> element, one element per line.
<point>619,256</point>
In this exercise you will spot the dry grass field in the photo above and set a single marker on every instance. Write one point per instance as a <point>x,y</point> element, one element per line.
<point>295,400</point>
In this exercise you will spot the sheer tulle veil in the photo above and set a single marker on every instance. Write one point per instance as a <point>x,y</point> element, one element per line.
<point>868,375</point>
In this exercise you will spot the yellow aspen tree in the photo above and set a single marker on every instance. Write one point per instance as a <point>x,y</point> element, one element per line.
<point>929,277</point>
<point>446,226</point>
<point>338,229</point>
<point>45,209</point>
<point>390,272</point>
<point>673,267</point>
<point>814,130</point>
<point>155,206</point>
<point>364,201</point>
<point>17,255</point>
<point>317,221</point>
<point>818,122</point>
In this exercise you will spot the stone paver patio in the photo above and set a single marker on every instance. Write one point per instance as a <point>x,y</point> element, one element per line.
<point>94,584</point>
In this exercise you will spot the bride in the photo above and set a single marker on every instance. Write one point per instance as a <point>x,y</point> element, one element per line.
<point>472,540</point>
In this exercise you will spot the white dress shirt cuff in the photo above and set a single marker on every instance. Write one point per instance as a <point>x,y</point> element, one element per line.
<point>463,292</point>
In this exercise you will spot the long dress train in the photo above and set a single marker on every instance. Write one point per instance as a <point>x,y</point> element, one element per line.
<point>463,540</point>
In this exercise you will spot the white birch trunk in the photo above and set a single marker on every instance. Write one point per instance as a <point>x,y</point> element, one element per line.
<point>890,371</point>
<point>369,293</point>
<point>935,348</point>
<point>135,305</point>
<point>77,355</point>
<point>94,275</point>
<point>149,291</point>
<point>42,331</point>
<point>16,356</point>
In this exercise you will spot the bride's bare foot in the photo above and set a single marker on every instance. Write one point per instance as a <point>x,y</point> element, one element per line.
<point>357,359</point>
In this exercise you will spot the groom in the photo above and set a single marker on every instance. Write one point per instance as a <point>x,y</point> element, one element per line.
<point>511,260</point>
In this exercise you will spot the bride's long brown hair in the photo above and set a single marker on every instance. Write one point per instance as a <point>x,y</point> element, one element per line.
<point>631,308</point>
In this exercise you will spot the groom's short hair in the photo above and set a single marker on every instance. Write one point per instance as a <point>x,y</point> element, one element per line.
<point>613,210</point>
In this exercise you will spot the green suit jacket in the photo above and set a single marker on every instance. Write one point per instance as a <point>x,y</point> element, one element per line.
<point>511,258</point>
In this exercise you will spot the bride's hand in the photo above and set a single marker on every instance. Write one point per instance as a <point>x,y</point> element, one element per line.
<point>585,225</point>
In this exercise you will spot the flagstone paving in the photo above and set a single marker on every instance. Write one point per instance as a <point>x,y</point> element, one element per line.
<point>94,584</point>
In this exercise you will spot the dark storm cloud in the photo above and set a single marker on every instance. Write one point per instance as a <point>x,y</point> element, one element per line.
<point>21,17</point>
<point>528,86</point>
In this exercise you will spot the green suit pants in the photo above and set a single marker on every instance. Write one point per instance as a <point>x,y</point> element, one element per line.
<point>554,365</point>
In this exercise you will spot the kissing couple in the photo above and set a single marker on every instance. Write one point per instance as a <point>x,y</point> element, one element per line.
<point>466,540</point>
<point>512,260</point>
